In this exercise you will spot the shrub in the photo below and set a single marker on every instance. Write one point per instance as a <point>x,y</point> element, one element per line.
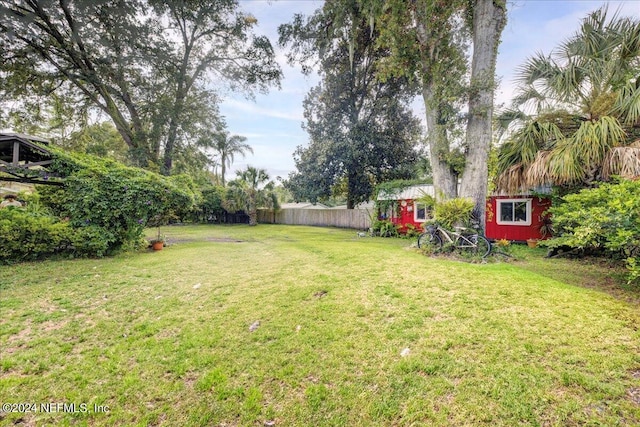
<point>114,201</point>
<point>386,228</point>
<point>454,212</point>
<point>211,203</point>
<point>412,231</point>
<point>605,219</point>
<point>25,236</point>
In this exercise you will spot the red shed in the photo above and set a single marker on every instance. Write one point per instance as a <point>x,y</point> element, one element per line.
<point>516,218</point>
<point>405,209</point>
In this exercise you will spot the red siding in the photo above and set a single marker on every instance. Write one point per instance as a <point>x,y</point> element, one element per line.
<point>516,232</point>
<point>495,231</point>
<point>405,216</point>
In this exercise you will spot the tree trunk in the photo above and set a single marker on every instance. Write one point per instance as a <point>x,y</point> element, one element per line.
<point>253,209</point>
<point>444,180</point>
<point>489,18</point>
<point>223,169</point>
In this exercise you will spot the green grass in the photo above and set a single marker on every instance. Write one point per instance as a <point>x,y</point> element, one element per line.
<point>163,338</point>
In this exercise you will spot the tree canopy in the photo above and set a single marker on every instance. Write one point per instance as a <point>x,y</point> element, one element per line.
<point>361,129</point>
<point>428,41</point>
<point>585,98</point>
<point>143,63</point>
<point>250,190</point>
<point>227,146</point>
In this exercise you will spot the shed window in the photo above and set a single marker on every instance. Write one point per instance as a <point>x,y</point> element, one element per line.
<point>420,212</point>
<point>514,211</point>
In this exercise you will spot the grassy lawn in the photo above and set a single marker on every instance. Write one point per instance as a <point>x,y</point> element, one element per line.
<point>352,332</point>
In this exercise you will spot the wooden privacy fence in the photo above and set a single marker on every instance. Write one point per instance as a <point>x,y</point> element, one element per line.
<point>359,219</point>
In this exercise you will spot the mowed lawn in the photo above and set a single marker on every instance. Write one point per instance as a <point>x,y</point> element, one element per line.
<point>352,332</point>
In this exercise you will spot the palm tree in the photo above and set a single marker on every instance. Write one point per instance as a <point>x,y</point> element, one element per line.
<point>586,101</point>
<point>250,190</point>
<point>227,146</point>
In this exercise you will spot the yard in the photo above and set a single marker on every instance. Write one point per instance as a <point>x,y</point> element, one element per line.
<point>352,332</point>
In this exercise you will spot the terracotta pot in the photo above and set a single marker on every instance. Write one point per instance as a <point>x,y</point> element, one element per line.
<point>532,243</point>
<point>157,246</point>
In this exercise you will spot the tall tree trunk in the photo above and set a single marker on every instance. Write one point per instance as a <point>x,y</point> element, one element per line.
<point>444,180</point>
<point>352,183</point>
<point>489,19</point>
<point>253,208</point>
<point>223,167</point>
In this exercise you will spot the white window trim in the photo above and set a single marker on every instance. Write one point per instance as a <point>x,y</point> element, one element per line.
<point>499,212</point>
<point>415,212</point>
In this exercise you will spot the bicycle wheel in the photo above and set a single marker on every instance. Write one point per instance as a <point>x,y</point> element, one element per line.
<point>482,245</point>
<point>429,240</point>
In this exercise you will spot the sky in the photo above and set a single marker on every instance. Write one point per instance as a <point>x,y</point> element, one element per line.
<point>272,123</point>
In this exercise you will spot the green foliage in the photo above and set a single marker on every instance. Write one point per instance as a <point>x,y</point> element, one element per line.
<point>580,133</point>
<point>101,139</point>
<point>412,231</point>
<point>30,235</point>
<point>227,146</point>
<point>606,218</point>
<point>249,191</point>
<point>114,200</point>
<point>152,84</point>
<point>25,236</point>
<point>385,228</point>
<point>211,205</point>
<point>454,212</point>
<point>361,130</point>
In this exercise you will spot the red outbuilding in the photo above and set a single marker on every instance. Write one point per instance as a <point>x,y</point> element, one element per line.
<point>517,218</point>
<point>404,208</point>
<point>514,218</point>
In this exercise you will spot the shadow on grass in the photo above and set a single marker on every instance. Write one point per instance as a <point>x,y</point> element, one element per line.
<point>605,275</point>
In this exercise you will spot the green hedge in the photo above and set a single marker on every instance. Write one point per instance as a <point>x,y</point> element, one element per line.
<point>605,219</point>
<point>102,208</point>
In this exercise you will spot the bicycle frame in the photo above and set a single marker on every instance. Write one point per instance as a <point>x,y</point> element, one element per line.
<point>459,239</point>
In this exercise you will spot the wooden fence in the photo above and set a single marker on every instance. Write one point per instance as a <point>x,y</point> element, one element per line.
<point>359,219</point>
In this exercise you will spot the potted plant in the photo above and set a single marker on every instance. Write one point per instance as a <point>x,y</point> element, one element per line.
<point>532,243</point>
<point>158,243</point>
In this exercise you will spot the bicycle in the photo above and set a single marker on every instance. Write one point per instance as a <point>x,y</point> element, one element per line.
<point>460,239</point>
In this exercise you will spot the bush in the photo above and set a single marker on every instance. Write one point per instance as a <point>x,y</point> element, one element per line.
<point>454,212</point>
<point>25,236</point>
<point>412,231</point>
<point>211,204</point>
<point>104,198</point>
<point>102,208</point>
<point>386,228</point>
<point>604,219</point>
<point>29,236</point>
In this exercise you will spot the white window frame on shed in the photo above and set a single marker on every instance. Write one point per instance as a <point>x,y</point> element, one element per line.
<point>416,210</point>
<point>523,222</point>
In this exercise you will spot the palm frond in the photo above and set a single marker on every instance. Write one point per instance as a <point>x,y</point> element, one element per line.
<point>537,174</point>
<point>529,95</point>
<point>594,139</point>
<point>627,105</point>
<point>564,166</point>
<point>511,181</point>
<point>506,119</point>
<point>622,161</point>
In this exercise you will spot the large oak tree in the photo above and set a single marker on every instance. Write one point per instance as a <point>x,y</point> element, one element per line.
<point>429,41</point>
<point>361,130</point>
<point>143,63</point>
